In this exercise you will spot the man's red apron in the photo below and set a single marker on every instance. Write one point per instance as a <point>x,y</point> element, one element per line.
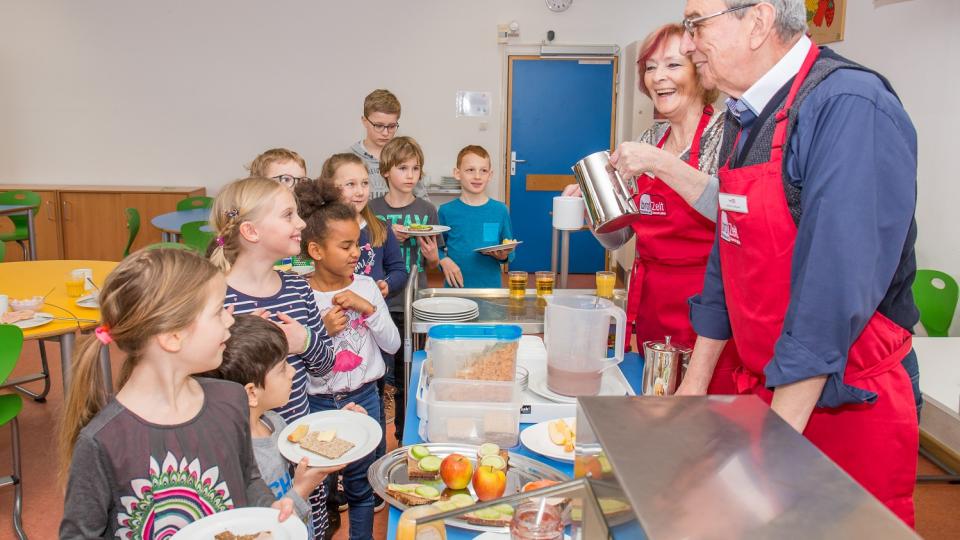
<point>673,245</point>
<point>875,443</point>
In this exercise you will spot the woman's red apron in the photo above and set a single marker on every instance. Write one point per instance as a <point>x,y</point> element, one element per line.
<point>875,443</point>
<point>673,244</point>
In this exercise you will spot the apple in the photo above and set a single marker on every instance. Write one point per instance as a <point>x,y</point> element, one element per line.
<point>489,483</point>
<point>456,471</point>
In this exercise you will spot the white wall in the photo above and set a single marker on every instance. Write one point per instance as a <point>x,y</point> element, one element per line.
<point>186,93</point>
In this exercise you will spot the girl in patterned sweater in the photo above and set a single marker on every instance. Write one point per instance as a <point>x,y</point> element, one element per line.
<point>256,223</point>
<point>168,448</point>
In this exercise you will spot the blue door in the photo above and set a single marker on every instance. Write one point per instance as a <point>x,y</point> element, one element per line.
<point>559,112</point>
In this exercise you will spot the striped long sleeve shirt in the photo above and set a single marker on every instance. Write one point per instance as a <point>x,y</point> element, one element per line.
<point>295,299</point>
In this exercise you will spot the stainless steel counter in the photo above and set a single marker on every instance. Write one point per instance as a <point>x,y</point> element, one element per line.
<point>496,306</point>
<point>721,467</point>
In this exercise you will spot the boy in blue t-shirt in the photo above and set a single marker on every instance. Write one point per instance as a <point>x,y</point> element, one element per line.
<point>475,221</point>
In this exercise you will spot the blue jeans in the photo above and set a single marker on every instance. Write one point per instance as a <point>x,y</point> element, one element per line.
<point>355,485</point>
<point>910,364</point>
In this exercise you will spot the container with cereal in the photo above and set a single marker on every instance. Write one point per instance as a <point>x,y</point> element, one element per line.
<point>474,352</point>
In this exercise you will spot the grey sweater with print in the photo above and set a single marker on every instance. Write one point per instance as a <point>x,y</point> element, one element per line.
<point>378,185</point>
<point>132,478</point>
<point>274,468</point>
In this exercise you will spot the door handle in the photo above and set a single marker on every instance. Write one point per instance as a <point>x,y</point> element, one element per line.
<point>513,162</point>
<point>50,215</point>
<point>67,216</point>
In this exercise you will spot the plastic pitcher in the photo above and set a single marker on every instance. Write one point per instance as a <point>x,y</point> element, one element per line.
<point>575,333</point>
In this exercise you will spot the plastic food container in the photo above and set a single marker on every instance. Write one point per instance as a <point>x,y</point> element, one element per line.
<point>474,352</point>
<point>473,412</point>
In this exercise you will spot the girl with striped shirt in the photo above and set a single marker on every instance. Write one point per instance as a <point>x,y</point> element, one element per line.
<point>256,223</point>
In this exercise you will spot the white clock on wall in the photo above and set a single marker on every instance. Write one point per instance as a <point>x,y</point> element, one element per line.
<point>558,5</point>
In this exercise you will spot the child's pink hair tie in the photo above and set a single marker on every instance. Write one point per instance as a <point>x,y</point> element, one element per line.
<point>220,241</point>
<point>103,334</point>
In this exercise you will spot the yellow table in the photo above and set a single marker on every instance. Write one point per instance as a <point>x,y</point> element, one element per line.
<point>36,278</point>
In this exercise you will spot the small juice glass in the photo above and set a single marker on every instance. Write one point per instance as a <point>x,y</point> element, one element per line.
<point>518,285</point>
<point>605,284</point>
<point>75,287</point>
<point>544,284</point>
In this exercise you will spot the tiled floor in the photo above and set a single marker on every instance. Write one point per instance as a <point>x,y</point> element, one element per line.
<point>937,505</point>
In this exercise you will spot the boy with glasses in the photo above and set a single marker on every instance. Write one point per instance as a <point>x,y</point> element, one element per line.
<point>380,120</point>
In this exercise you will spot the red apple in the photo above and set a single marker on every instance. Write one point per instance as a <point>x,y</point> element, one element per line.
<point>456,471</point>
<point>489,483</point>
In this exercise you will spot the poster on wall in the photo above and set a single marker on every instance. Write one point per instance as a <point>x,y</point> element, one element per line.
<point>825,20</point>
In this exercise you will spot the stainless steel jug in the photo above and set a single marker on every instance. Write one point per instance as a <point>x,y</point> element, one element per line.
<point>609,203</point>
<point>662,366</point>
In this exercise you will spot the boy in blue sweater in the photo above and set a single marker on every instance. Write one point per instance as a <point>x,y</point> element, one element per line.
<point>475,221</point>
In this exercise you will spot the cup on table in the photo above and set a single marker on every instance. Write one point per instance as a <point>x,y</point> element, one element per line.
<point>4,303</point>
<point>518,285</point>
<point>545,282</point>
<point>605,284</point>
<point>85,275</point>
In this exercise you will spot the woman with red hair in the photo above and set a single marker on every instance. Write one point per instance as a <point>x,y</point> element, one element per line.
<point>673,166</point>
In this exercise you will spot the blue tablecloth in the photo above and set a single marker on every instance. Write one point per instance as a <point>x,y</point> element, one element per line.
<point>632,368</point>
<point>171,222</point>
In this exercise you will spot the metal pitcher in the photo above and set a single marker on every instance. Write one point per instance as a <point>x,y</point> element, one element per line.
<point>662,366</point>
<point>609,204</point>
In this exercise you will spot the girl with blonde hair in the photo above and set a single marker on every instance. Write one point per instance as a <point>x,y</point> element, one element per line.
<point>256,223</point>
<point>166,436</point>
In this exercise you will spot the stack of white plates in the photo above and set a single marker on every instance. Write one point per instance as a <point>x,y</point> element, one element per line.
<point>443,309</point>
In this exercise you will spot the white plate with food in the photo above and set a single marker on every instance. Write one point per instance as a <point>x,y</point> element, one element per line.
<point>90,301</point>
<point>330,438</point>
<point>510,246</point>
<point>445,306</point>
<point>257,523</point>
<point>610,385</point>
<point>424,230</point>
<point>554,439</point>
<point>26,320</point>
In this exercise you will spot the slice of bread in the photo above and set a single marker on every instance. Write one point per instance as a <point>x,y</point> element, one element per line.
<point>408,498</point>
<point>502,520</point>
<point>414,472</point>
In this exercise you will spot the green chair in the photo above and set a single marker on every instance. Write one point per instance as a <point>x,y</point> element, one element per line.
<point>11,343</point>
<point>192,203</point>
<point>133,227</point>
<point>3,250</point>
<point>194,237</point>
<point>168,245</point>
<point>21,231</point>
<point>937,303</point>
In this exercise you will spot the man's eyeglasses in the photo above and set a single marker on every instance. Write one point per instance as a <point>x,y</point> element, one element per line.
<point>289,180</point>
<point>383,128</point>
<point>690,25</point>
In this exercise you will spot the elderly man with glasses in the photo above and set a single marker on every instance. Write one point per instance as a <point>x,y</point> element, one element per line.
<point>812,266</point>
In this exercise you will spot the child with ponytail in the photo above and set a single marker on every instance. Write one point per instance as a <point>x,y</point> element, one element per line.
<point>256,223</point>
<point>357,317</point>
<point>166,436</point>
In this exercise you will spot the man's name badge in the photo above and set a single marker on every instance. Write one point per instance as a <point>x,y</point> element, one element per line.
<point>733,203</point>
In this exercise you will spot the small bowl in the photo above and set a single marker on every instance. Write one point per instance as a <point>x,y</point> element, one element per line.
<point>523,377</point>
<point>33,304</point>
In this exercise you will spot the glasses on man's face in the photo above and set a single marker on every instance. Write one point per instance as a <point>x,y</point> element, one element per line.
<point>289,181</point>
<point>383,128</point>
<point>691,25</point>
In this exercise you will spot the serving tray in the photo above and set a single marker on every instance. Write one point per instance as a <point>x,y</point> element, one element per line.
<point>392,469</point>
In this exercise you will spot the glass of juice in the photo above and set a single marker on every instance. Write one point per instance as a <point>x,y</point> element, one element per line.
<point>544,284</point>
<point>75,286</point>
<point>407,528</point>
<point>518,285</point>
<point>605,284</point>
